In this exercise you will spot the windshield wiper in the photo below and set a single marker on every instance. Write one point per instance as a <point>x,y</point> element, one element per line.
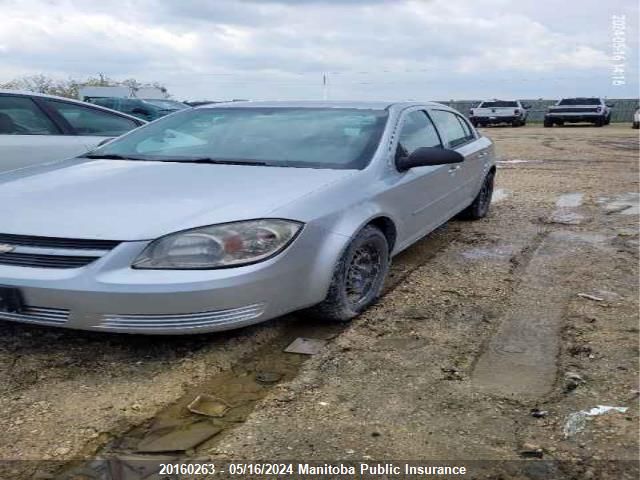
<point>209,160</point>
<point>111,156</point>
<point>215,161</point>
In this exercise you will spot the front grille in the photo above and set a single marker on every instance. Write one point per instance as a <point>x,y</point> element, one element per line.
<point>182,321</point>
<point>51,252</point>
<point>44,261</point>
<point>39,315</point>
<point>53,242</point>
<point>574,110</point>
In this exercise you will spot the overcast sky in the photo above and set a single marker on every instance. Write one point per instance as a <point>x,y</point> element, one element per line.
<point>370,49</point>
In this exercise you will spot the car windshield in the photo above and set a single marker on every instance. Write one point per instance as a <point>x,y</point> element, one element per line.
<point>167,104</point>
<point>579,101</point>
<point>329,138</point>
<point>498,104</point>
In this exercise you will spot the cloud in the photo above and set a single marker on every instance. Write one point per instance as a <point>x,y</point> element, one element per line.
<point>281,48</point>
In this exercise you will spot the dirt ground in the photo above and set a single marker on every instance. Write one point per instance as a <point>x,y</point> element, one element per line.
<point>490,336</point>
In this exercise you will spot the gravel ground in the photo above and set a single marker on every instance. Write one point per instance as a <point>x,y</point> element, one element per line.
<point>409,379</point>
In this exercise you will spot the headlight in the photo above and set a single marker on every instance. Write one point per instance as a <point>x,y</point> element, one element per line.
<point>219,246</point>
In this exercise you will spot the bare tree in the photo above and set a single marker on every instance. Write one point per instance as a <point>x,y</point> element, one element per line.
<point>70,87</point>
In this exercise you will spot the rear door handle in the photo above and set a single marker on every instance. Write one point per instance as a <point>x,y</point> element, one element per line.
<point>483,154</point>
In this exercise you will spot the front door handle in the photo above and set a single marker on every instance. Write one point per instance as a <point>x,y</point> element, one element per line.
<point>483,154</point>
<point>454,169</point>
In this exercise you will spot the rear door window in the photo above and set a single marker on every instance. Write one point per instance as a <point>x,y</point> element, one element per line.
<point>21,116</point>
<point>467,129</point>
<point>89,121</point>
<point>451,128</point>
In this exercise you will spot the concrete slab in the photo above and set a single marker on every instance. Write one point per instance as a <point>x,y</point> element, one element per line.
<point>521,357</point>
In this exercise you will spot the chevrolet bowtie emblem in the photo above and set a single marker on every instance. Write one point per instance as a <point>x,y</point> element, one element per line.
<point>5,248</point>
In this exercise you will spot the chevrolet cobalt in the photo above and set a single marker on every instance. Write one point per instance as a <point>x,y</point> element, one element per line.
<point>227,215</point>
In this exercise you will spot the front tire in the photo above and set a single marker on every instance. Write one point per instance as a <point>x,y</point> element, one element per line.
<point>479,208</point>
<point>548,123</point>
<point>358,277</point>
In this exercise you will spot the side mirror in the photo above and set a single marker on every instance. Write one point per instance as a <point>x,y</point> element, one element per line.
<point>526,107</point>
<point>428,156</point>
<point>610,105</point>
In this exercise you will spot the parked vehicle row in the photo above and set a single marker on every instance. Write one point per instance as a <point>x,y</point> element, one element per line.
<point>227,215</point>
<point>567,110</point>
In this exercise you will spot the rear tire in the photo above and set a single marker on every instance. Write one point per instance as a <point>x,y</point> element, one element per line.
<point>607,120</point>
<point>599,122</point>
<point>358,277</point>
<point>636,125</point>
<point>479,208</point>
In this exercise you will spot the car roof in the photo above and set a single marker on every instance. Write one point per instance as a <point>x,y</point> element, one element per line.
<point>69,100</point>
<point>364,105</point>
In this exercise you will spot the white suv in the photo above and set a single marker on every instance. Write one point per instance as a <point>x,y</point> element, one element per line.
<point>37,128</point>
<point>491,112</point>
<point>574,110</point>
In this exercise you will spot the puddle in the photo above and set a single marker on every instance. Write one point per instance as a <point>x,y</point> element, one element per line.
<point>582,237</point>
<point>564,217</point>
<point>570,200</point>
<point>499,195</point>
<point>625,203</point>
<point>515,161</point>
<point>499,252</point>
<point>564,213</point>
<point>224,401</point>
<point>241,388</point>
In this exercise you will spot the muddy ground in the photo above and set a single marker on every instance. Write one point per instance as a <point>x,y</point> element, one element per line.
<point>531,310</point>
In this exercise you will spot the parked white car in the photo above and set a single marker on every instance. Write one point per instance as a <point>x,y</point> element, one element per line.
<point>492,112</point>
<point>36,128</point>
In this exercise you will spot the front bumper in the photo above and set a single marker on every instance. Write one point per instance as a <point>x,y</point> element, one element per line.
<point>108,295</point>
<point>574,117</point>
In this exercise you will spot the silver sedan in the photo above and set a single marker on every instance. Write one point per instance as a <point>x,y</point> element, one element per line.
<point>231,214</point>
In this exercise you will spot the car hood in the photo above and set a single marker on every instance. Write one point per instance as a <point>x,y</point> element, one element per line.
<point>136,200</point>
